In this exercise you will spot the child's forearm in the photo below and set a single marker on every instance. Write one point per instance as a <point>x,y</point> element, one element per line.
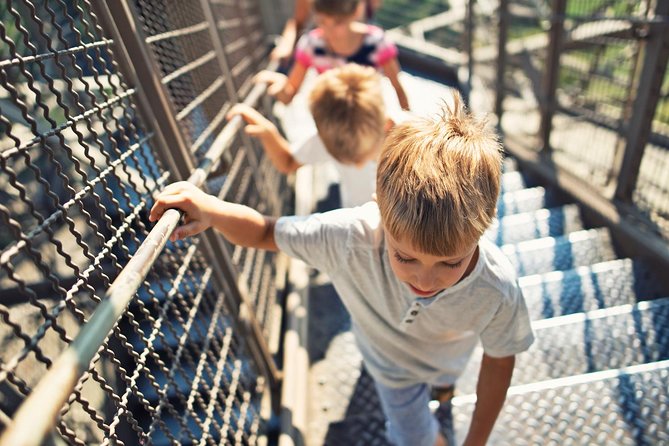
<point>278,151</point>
<point>286,94</point>
<point>244,226</point>
<point>402,96</point>
<point>494,381</point>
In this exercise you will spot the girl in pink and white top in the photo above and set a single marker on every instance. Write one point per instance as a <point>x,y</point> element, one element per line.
<point>337,40</point>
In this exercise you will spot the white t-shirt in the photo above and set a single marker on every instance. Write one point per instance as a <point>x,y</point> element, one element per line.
<point>356,185</point>
<point>407,340</point>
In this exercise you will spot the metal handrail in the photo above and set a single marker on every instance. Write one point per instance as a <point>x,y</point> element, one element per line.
<point>52,391</point>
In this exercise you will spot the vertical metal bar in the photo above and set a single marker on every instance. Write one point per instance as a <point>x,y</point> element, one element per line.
<point>469,45</point>
<point>548,103</point>
<point>656,56</point>
<point>501,57</point>
<point>220,52</point>
<point>625,115</point>
<point>116,16</point>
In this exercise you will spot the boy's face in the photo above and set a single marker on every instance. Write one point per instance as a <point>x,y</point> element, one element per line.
<point>424,274</point>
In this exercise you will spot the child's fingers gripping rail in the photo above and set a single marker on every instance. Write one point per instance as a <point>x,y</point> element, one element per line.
<point>257,124</point>
<point>276,82</point>
<point>189,199</point>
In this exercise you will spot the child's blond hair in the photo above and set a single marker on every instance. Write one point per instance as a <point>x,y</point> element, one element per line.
<point>347,106</point>
<point>337,8</point>
<point>438,181</point>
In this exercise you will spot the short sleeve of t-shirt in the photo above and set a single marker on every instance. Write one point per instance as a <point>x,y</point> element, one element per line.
<point>319,240</point>
<point>305,48</point>
<point>311,151</point>
<point>384,48</point>
<point>510,331</point>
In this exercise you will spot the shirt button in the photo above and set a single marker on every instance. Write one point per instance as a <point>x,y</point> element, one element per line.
<point>413,313</point>
<point>408,321</point>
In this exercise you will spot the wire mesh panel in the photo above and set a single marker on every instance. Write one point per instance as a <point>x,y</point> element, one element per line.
<point>79,165</point>
<point>239,25</point>
<point>595,85</point>
<point>178,36</point>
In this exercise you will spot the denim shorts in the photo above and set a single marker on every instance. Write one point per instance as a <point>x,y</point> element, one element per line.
<point>409,420</point>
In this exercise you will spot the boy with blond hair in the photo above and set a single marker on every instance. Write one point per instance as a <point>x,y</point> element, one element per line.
<point>347,106</point>
<point>420,282</point>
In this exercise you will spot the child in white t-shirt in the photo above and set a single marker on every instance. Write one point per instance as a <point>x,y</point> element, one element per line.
<point>347,106</point>
<point>420,283</point>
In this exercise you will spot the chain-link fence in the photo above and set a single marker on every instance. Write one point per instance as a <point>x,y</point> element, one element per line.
<point>101,105</point>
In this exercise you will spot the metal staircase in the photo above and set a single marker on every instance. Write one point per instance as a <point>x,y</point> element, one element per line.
<point>597,372</point>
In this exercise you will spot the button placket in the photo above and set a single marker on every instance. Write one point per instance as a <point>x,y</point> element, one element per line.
<point>411,314</point>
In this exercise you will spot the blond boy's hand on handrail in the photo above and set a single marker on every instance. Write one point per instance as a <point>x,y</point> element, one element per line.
<point>239,224</point>
<point>198,208</point>
<point>277,85</point>
<point>276,146</point>
<point>257,125</point>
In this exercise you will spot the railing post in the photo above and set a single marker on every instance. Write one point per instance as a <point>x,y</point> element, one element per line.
<point>548,104</point>
<point>648,85</point>
<point>220,51</point>
<point>501,57</point>
<point>469,45</point>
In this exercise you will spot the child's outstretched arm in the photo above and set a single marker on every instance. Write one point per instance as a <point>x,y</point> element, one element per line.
<point>293,27</point>
<point>392,69</point>
<point>281,86</point>
<point>494,381</point>
<point>276,147</point>
<point>239,224</point>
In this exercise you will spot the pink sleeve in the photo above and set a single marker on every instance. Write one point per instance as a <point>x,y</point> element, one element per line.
<point>385,48</point>
<point>304,51</point>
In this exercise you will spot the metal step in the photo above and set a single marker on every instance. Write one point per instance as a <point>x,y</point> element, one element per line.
<point>524,200</point>
<point>615,407</point>
<point>587,288</point>
<point>550,222</point>
<point>569,251</point>
<point>580,343</point>
<point>512,181</point>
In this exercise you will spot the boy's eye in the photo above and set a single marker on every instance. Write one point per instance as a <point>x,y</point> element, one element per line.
<point>401,259</point>
<point>452,265</point>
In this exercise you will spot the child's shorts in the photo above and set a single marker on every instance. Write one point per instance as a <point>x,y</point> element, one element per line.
<point>409,420</point>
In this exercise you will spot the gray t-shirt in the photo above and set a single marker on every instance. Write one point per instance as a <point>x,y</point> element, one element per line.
<point>407,340</point>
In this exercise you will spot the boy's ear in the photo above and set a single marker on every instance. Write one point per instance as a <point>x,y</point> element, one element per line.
<point>389,125</point>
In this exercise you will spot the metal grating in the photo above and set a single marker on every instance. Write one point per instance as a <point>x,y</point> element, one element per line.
<point>80,162</point>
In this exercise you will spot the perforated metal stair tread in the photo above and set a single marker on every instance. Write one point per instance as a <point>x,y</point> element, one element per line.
<point>512,181</point>
<point>550,222</point>
<point>564,252</point>
<point>615,407</point>
<point>524,200</point>
<point>580,343</point>
<point>586,288</point>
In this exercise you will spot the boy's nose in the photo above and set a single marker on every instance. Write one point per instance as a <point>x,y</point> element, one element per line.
<point>424,282</point>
